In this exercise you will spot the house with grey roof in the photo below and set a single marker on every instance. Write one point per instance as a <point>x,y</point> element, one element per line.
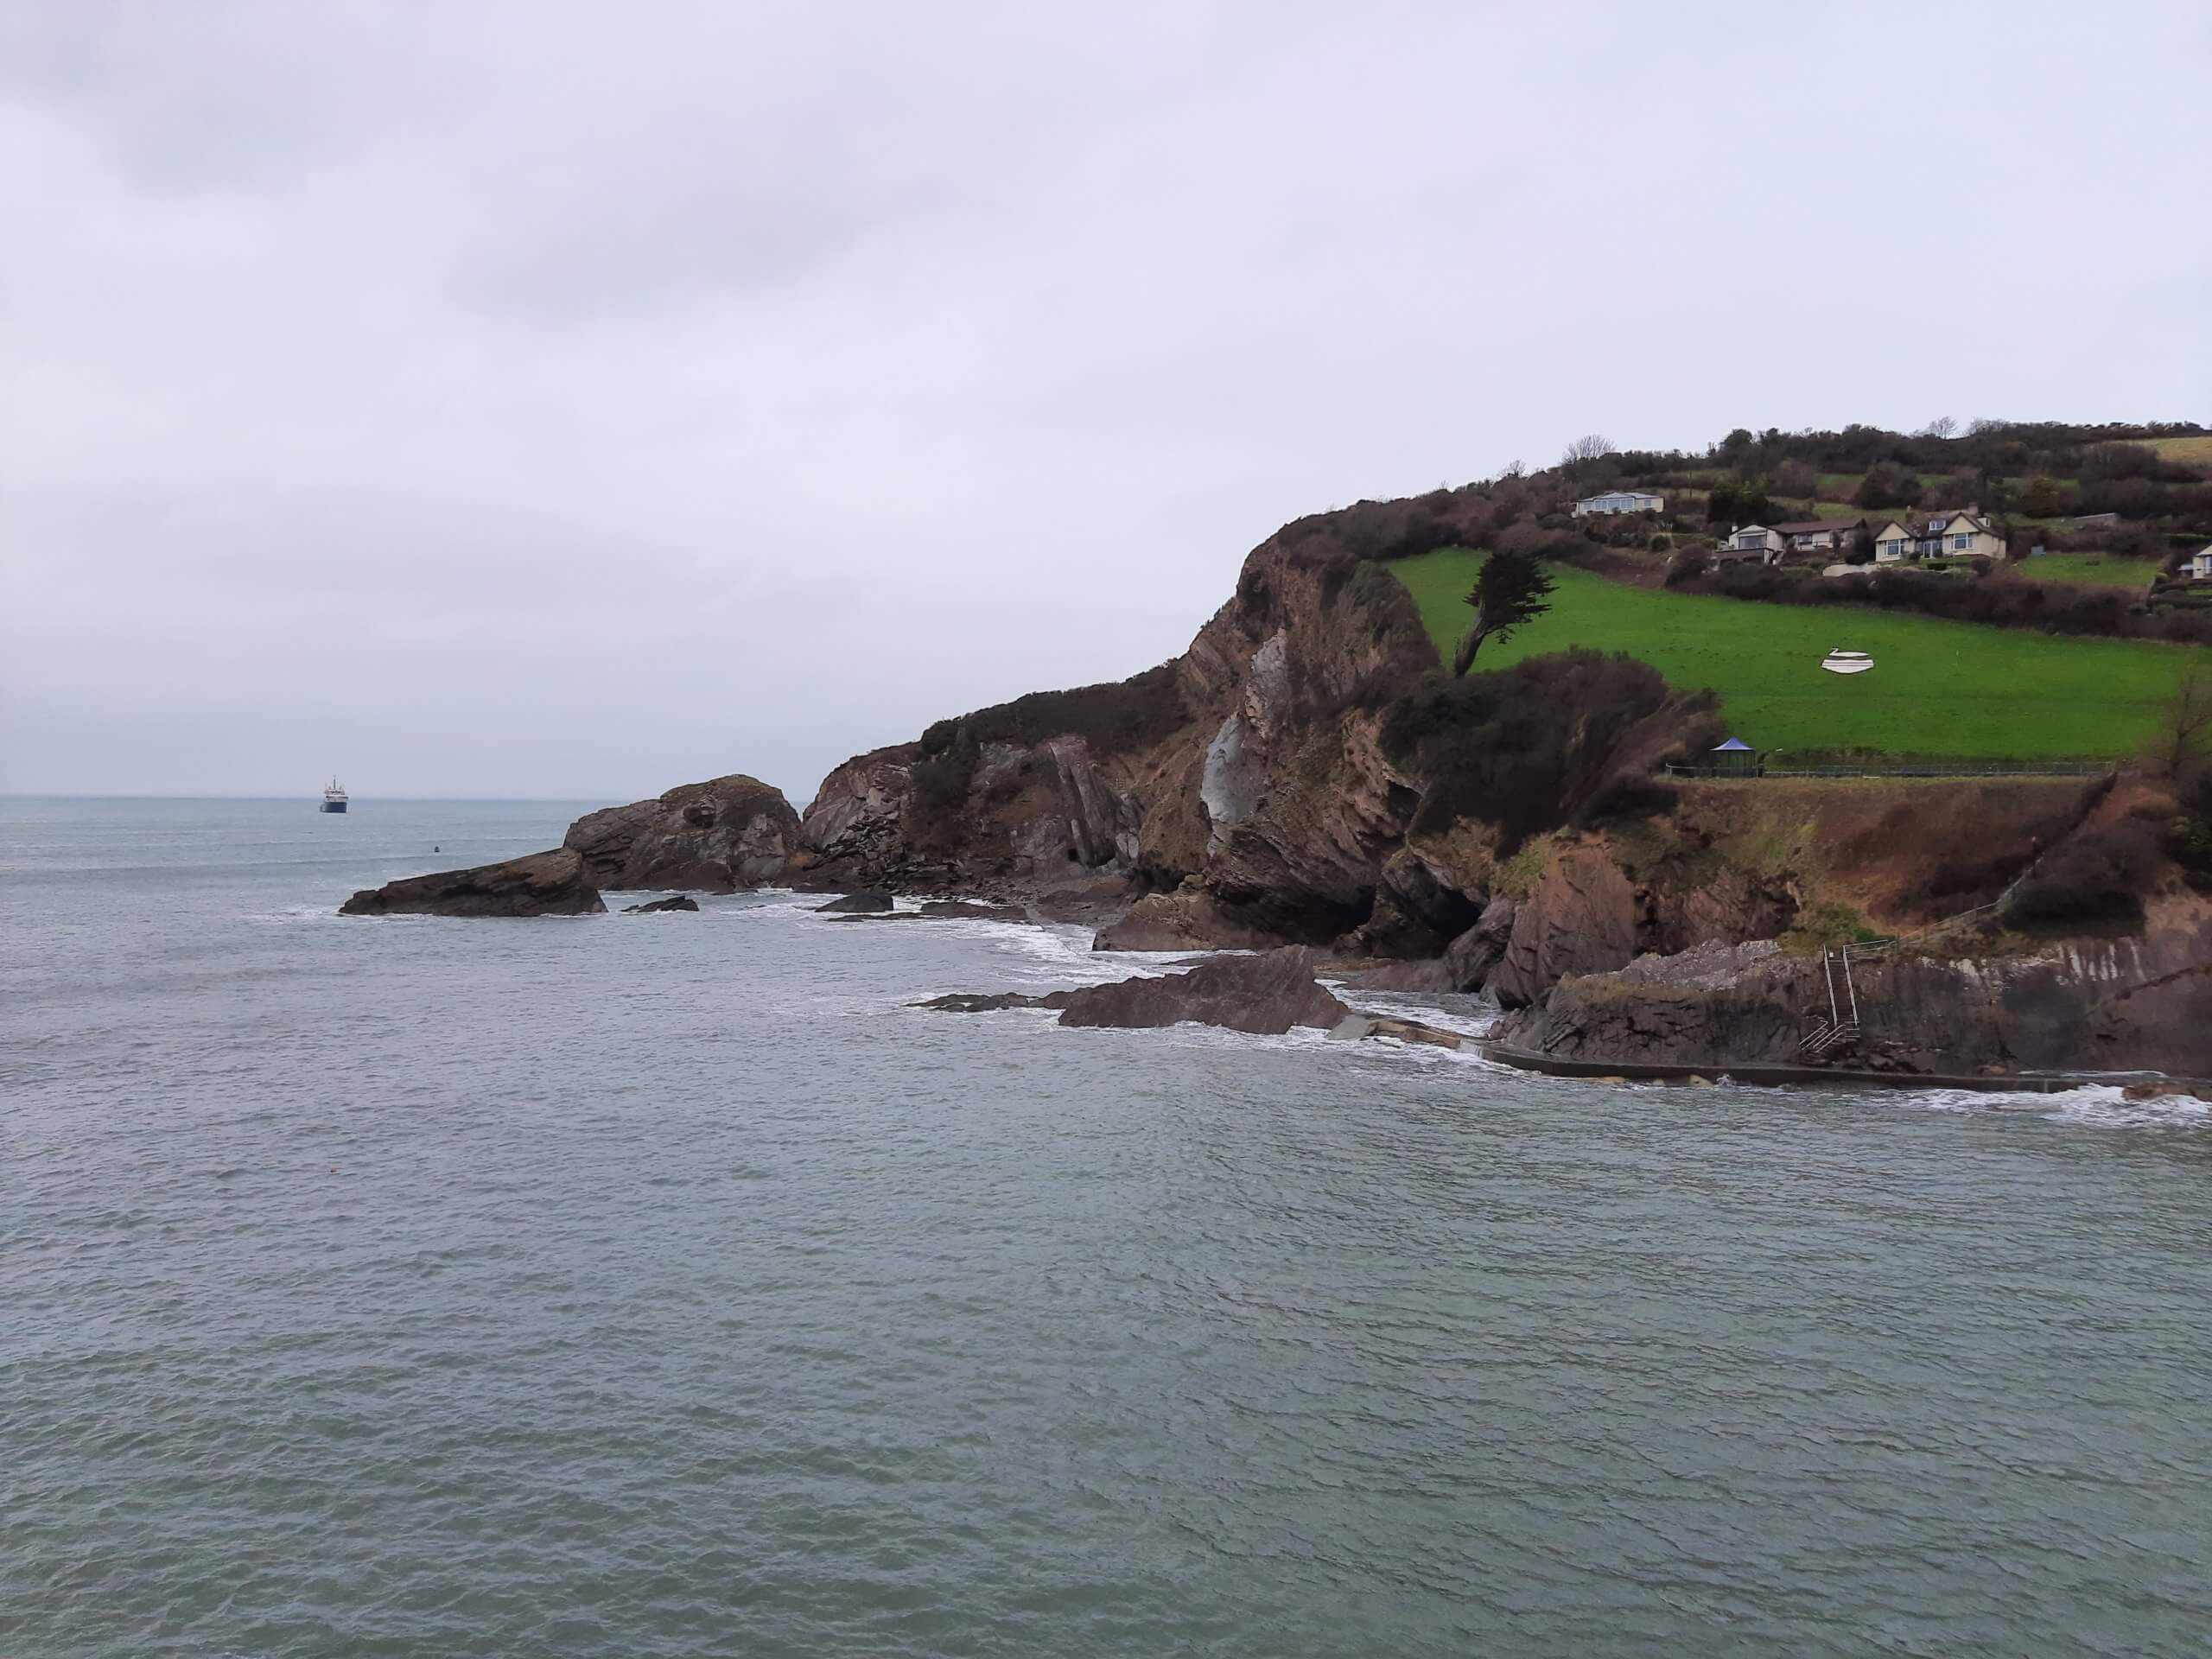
<point>1829,536</point>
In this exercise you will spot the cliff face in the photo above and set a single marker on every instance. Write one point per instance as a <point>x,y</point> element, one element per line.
<point>1248,792</point>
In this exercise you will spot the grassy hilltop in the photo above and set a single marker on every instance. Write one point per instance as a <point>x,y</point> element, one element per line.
<point>1938,687</point>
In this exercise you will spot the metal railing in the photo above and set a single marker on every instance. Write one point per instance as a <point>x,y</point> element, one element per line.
<point>1928,769</point>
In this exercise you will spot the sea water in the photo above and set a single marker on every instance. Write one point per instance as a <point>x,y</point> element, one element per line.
<point>670,1284</point>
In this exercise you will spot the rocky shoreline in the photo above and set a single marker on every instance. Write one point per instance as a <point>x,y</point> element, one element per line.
<point>1304,775</point>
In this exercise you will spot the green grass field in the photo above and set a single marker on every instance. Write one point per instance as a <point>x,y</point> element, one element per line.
<point>2090,570</point>
<point>1937,689</point>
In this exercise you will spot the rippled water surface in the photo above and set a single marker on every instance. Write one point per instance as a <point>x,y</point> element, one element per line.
<point>634,1285</point>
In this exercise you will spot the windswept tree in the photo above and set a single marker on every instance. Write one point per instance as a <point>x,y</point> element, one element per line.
<point>1592,447</point>
<point>1512,589</point>
<point>1941,427</point>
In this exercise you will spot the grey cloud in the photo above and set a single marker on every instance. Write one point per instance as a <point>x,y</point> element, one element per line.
<point>690,386</point>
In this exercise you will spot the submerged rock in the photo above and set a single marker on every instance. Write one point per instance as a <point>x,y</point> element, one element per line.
<point>541,884</point>
<point>717,836</point>
<point>1357,1026</point>
<point>958,909</point>
<point>946,910</point>
<point>2140,1091</point>
<point>680,902</point>
<point>994,1001</point>
<point>856,904</point>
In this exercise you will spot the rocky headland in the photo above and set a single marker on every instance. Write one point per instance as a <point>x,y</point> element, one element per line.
<point>1306,774</point>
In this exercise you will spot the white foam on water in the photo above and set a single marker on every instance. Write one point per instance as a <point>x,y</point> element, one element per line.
<point>291,914</point>
<point>2103,1106</point>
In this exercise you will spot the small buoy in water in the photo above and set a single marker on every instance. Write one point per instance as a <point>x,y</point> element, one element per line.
<point>1847,662</point>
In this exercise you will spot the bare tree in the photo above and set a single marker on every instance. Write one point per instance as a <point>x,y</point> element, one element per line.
<point>2185,732</point>
<point>1516,469</point>
<point>1941,427</point>
<point>1589,447</point>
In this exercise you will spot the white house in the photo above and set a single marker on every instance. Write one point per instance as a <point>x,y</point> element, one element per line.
<point>1831,535</point>
<point>1621,501</point>
<point>1962,535</point>
<point>2199,565</point>
<point>1751,541</point>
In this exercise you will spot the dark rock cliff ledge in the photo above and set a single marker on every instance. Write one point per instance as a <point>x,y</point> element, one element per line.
<point>712,838</point>
<point>541,883</point>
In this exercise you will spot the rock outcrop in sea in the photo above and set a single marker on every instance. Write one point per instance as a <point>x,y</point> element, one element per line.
<point>541,884</point>
<point>719,836</point>
<point>1267,995</point>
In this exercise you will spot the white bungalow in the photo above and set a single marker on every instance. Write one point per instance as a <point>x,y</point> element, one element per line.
<point>2199,565</point>
<point>1621,501</point>
<point>1963,535</point>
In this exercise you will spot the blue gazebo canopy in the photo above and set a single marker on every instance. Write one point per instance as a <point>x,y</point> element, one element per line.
<point>1733,746</point>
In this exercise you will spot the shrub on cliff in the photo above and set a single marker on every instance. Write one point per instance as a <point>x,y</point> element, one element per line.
<point>2098,876</point>
<point>1113,718</point>
<point>1528,747</point>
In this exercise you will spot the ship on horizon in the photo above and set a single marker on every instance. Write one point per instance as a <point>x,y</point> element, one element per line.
<point>334,798</point>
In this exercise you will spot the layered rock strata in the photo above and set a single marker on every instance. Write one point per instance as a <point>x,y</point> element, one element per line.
<point>541,883</point>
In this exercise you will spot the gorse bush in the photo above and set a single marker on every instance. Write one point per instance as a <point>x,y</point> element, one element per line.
<point>2097,875</point>
<point>1114,718</point>
<point>1532,747</point>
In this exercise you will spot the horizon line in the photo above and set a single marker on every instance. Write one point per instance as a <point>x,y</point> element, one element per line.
<point>109,795</point>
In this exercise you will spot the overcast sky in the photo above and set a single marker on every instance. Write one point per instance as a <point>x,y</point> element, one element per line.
<point>565,399</point>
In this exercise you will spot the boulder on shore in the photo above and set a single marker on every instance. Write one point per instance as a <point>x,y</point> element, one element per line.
<point>659,906</point>
<point>717,836</point>
<point>541,884</point>
<point>1266,994</point>
<point>868,901</point>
